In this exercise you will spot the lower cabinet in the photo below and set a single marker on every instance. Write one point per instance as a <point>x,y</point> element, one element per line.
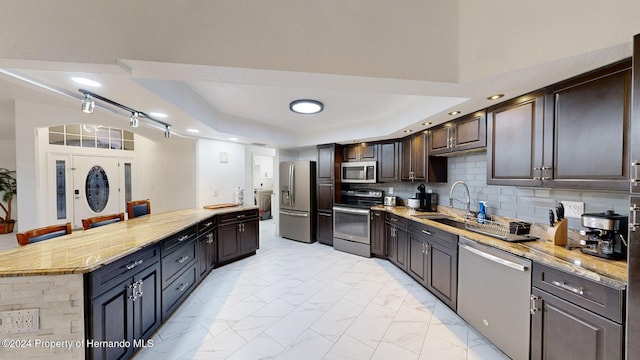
<point>324,231</point>
<point>237,235</point>
<point>574,318</point>
<point>433,261</point>
<point>397,240</point>
<point>378,245</point>
<point>207,253</point>
<point>124,304</point>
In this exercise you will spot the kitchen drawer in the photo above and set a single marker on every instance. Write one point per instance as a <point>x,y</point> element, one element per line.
<point>172,242</point>
<point>178,290</point>
<point>593,296</point>
<point>177,260</point>
<point>238,216</point>
<point>397,221</point>
<point>110,275</point>
<point>430,233</point>
<point>207,225</point>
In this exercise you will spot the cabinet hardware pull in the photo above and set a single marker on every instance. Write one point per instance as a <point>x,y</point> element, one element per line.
<point>240,216</point>
<point>208,224</point>
<point>394,219</point>
<point>633,223</point>
<point>426,232</point>
<point>423,249</point>
<point>562,285</point>
<point>533,309</point>
<point>183,238</point>
<point>428,249</point>
<point>140,293</point>
<point>210,238</point>
<point>134,264</point>
<point>183,259</point>
<point>634,166</point>
<point>183,287</point>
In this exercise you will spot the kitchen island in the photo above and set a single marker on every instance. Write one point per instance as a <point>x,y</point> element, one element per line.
<point>97,285</point>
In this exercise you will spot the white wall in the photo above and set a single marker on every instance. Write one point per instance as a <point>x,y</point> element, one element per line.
<point>217,181</point>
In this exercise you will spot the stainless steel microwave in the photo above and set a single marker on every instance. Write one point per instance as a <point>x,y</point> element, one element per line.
<point>358,171</point>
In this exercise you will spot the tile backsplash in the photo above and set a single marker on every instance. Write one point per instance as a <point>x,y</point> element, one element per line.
<point>523,203</point>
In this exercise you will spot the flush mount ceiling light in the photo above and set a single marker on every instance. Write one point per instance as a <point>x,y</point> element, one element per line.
<point>134,121</point>
<point>86,82</point>
<point>495,97</point>
<point>306,106</point>
<point>88,104</point>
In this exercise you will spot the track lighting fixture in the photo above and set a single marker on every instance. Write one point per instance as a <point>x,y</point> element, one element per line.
<point>88,104</point>
<point>133,120</point>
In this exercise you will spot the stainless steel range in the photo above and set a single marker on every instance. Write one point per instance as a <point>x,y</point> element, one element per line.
<point>351,220</point>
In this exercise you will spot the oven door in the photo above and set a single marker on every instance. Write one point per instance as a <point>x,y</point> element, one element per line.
<point>351,224</point>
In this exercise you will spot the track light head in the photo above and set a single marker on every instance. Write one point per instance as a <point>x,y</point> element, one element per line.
<point>134,120</point>
<point>88,104</point>
<point>167,131</point>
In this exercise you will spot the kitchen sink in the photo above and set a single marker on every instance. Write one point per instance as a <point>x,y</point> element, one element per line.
<point>442,219</point>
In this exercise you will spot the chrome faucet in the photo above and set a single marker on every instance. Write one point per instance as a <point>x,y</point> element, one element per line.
<point>467,200</point>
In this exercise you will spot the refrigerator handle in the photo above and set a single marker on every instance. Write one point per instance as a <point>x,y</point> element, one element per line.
<point>292,189</point>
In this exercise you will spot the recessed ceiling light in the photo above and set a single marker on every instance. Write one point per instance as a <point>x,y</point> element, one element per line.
<point>158,115</point>
<point>193,130</point>
<point>306,106</point>
<point>86,82</point>
<point>233,138</point>
<point>408,131</point>
<point>426,123</point>
<point>454,112</point>
<point>495,97</point>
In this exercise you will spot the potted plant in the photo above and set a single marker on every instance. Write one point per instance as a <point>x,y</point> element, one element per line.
<point>8,188</point>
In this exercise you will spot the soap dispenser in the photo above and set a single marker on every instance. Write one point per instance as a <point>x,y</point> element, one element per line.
<point>482,212</point>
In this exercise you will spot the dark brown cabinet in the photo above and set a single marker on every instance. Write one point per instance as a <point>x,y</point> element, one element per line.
<point>397,240</point>
<point>124,303</point>
<point>574,134</point>
<point>207,247</point>
<point>574,318</point>
<point>329,157</point>
<point>389,161</point>
<point>463,134</point>
<point>378,245</point>
<point>415,163</point>
<point>358,152</point>
<point>433,261</point>
<point>237,235</point>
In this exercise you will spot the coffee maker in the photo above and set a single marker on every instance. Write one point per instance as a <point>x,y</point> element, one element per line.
<point>428,201</point>
<point>606,235</point>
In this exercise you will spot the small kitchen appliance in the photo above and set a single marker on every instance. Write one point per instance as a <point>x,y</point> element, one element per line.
<point>390,200</point>
<point>606,235</point>
<point>427,201</point>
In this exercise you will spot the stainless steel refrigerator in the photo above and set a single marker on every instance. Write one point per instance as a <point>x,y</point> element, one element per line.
<point>297,200</point>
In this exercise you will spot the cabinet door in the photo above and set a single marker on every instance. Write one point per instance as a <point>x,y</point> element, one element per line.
<point>470,132</point>
<point>406,170</point>
<point>417,259</point>
<point>442,273</point>
<point>514,136</point>
<point>388,162</point>
<point>357,152</point>
<point>324,195</point>
<point>392,244</point>
<point>402,246</point>
<point>419,156</point>
<point>147,308</point>
<point>562,330</point>
<point>249,242</point>
<point>112,315</point>
<point>228,242</point>
<point>368,151</point>
<point>377,234</point>
<point>590,123</point>
<point>324,233</point>
<point>207,253</point>
<point>439,139</point>
<point>325,163</point>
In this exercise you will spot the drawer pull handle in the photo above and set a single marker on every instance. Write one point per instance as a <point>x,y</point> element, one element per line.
<point>134,264</point>
<point>183,238</point>
<point>240,216</point>
<point>562,285</point>
<point>183,259</point>
<point>426,232</point>
<point>183,287</point>
<point>394,219</point>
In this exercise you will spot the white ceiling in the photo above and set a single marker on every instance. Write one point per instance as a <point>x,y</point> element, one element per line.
<point>250,101</point>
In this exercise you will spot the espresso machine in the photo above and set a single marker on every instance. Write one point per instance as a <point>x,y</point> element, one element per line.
<point>606,235</point>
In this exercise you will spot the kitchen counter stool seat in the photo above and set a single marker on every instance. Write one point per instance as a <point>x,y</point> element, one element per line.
<point>43,233</point>
<point>138,208</point>
<point>101,220</point>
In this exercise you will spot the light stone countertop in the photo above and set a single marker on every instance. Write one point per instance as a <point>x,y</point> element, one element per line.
<point>84,251</point>
<point>612,273</point>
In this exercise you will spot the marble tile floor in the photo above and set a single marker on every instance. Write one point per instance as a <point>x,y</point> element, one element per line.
<point>307,301</point>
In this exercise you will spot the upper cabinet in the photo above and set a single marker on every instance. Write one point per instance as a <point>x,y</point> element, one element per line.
<point>462,134</point>
<point>389,161</point>
<point>416,165</point>
<point>573,134</point>
<point>358,152</point>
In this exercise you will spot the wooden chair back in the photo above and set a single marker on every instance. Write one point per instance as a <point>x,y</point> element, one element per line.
<point>138,208</point>
<point>43,233</point>
<point>101,220</point>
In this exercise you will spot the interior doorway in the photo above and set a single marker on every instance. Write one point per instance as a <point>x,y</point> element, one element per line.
<point>263,184</point>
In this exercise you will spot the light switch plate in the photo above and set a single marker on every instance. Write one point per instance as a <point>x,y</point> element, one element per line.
<point>573,209</point>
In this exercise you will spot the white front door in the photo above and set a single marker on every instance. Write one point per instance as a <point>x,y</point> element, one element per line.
<point>96,187</point>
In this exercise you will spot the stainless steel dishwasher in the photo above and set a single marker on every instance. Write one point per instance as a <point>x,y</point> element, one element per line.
<point>494,294</point>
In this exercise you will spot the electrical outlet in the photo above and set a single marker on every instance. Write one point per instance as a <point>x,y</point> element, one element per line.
<point>573,209</point>
<point>390,192</point>
<point>20,321</point>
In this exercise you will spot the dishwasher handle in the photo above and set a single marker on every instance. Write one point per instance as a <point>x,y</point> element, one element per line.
<point>494,258</point>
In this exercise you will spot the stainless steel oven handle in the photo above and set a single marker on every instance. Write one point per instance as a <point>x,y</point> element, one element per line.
<point>493,258</point>
<point>293,214</point>
<point>351,211</point>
